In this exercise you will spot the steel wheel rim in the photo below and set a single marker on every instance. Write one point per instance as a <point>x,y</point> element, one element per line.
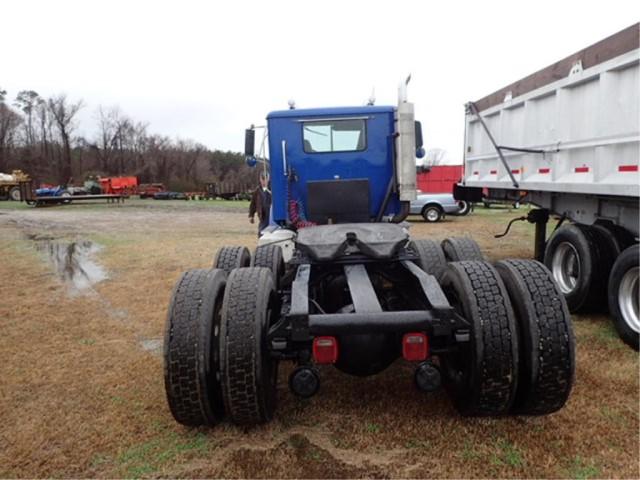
<point>566,268</point>
<point>628,298</point>
<point>432,215</point>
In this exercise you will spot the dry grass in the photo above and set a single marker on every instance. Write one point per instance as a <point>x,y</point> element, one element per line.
<point>79,397</point>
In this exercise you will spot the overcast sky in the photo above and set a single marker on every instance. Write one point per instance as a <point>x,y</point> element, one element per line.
<point>206,70</point>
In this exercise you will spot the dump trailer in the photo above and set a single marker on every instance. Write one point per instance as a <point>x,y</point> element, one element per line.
<point>338,280</point>
<point>566,139</point>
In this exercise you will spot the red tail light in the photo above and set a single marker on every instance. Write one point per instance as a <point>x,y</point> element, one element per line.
<point>415,347</point>
<point>325,349</point>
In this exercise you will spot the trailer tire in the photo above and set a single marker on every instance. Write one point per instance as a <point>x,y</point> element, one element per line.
<point>248,373</point>
<point>432,213</point>
<point>432,259</point>
<point>191,348</point>
<point>623,236</point>
<point>465,208</point>
<point>623,295</point>
<point>14,194</point>
<point>577,259</point>
<point>482,376</point>
<point>545,337</point>
<point>229,258</point>
<point>458,249</point>
<point>270,256</point>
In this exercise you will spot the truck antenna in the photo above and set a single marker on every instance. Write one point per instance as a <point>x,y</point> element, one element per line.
<point>372,97</point>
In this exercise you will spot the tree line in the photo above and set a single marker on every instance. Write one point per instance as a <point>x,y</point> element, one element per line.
<point>38,135</point>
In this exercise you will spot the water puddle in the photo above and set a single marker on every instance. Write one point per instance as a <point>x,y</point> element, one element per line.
<point>73,262</point>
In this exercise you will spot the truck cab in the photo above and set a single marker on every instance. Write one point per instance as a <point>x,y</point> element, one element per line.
<point>334,163</point>
<point>341,165</point>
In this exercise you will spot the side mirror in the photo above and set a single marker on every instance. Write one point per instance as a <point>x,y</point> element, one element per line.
<point>249,142</point>
<point>418,129</point>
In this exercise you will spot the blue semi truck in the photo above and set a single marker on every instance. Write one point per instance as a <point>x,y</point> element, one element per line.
<point>339,281</point>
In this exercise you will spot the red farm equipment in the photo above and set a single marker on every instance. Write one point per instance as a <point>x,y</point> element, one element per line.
<point>119,185</point>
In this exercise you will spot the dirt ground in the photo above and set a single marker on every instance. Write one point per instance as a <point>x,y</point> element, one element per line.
<point>81,383</point>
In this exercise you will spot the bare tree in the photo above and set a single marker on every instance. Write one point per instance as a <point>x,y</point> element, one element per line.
<point>104,145</point>
<point>9,122</point>
<point>63,112</point>
<point>27,100</point>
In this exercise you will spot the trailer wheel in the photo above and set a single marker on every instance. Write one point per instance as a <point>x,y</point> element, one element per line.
<point>580,265</point>
<point>432,259</point>
<point>545,334</point>
<point>608,240</point>
<point>432,213</point>
<point>270,256</point>
<point>623,237</point>
<point>249,374</point>
<point>482,376</point>
<point>458,249</point>
<point>14,194</point>
<point>465,208</point>
<point>623,295</point>
<point>229,258</point>
<point>191,348</point>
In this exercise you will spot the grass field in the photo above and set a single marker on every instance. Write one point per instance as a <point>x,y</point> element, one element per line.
<point>81,383</point>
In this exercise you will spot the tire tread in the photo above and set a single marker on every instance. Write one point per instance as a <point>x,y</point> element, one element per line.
<point>458,249</point>
<point>246,400</point>
<point>548,323</point>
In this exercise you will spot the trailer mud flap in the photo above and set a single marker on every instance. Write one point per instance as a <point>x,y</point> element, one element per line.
<point>469,194</point>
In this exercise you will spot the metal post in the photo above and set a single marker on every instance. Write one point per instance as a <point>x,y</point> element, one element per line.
<point>540,217</point>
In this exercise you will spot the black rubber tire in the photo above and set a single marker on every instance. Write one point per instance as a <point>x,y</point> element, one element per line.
<point>231,257</point>
<point>545,337</point>
<point>608,240</point>
<point>248,373</point>
<point>270,256</point>
<point>191,348</point>
<point>589,293</point>
<point>627,260</point>
<point>608,250</point>
<point>465,209</point>
<point>14,194</point>
<point>457,249</point>
<point>482,377</point>
<point>623,236</point>
<point>427,209</point>
<point>432,259</point>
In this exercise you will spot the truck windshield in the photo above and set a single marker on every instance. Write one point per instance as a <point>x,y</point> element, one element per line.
<point>334,136</point>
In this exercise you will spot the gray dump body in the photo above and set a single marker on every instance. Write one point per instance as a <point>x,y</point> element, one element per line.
<point>579,124</point>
